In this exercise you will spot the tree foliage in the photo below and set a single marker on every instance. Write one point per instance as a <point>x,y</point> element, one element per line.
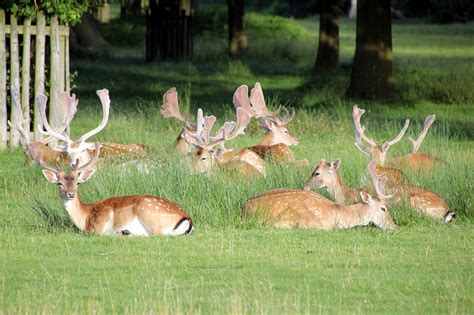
<point>67,11</point>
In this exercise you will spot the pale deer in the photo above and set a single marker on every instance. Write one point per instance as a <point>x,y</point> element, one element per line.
<point>414,160</point>
<point>290,208</point>
<point>376,152</point>
<point>277,139</point>
<point>422,201</point>
<point>205,158</point>
<point>135,215</point>
<point>82,150</point>
<point>42,148</point>
<point>170,109</point>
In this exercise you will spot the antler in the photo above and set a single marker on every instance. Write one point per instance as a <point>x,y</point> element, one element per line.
<point>105,101</point>
<point>287,117</point>
<point>360,135</point>
<point>94,159</point>
<point>42,100</point>
<point>257,102</point>
<point>170,107</point>
<point>18,125</point>
<point>378,181</point>
<point>428,122</point>
<point>387,144</point>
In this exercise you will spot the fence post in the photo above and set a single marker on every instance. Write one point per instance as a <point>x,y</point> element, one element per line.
<point>3,83</point>
<point>39,72</point>
<point>55,112</point>
<point>25,75</point>
<point>15,116</point>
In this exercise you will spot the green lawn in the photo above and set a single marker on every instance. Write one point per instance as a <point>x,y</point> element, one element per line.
<point>230,265</point>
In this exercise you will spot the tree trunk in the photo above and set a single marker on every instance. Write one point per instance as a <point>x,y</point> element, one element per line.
<point>372,69</point>
<point>85,35</point>
<point>328,48</point>
<point>237,37</point>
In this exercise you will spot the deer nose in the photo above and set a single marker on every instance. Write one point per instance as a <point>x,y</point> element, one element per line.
<point>307,187</point>
<point>71,194</point>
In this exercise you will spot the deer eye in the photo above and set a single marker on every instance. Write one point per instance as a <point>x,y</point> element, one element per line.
<point>317,174</point>
<point>383,209</point>
<point>286,131</point>
<point>203,158</point>
<point>60,184</point>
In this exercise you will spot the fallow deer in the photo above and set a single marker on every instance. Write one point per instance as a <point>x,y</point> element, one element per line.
<point>422,201</point>
<point>414,160</point>
<point>289,208</point>
<point>82,150</point>
<point>136,214</point>
<point>277,139</point>
<point>205,158</point>
<point>376,152</point>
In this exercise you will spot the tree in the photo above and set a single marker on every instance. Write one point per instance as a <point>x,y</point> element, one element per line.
<point>328,48</point>
<point>237,38</point>
<point>372,69</point>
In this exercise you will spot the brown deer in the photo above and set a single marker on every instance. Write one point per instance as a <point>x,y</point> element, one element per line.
<point>423,201</point>
<point>136,215</point>
<point>277,139</point>
<point>82,150</point>
<point>290,208</point>
<point>205,158</point>
<point>41,148</point>
<point>414,160</point>
<point>376,152</point>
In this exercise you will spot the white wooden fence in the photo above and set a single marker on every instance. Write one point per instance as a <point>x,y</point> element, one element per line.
<point>20,78</point>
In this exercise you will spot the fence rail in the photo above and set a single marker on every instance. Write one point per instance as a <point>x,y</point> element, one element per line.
<point>20,83</point>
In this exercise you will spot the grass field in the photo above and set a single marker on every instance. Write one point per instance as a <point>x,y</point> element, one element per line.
<point>230,265</point>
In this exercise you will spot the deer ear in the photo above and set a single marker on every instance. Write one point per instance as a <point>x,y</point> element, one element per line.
<point>334,166</point>
<point>366,198</point>
<point>268,124</point>
<point>51,176</point>
<point>85,175</point>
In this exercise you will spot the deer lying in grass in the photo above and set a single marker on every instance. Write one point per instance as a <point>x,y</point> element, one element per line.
<point>289,208</point>
<point>414,160</point>
<point>277,139</point>
<point>42,148</point>
<point>205,158</point>
<point>376,152</point>
<point>82,150</point>
<point>423,201</point>
<point>136,215</point>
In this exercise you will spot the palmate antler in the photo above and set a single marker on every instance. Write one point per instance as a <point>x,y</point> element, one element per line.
<point>256,106</point>
<point>170,108</point>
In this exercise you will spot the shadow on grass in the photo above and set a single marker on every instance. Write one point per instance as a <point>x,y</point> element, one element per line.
<point>52,218</point>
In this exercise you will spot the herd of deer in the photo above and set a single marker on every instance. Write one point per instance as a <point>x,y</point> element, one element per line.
<point>285,208</point>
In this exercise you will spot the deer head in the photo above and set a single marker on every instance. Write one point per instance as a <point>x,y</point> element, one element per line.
<point>68,182</point>
<point>76,149</point>
<point>379,153</point>
<point>324,175</point>
<point>271,122</point>
<point>204,157</point>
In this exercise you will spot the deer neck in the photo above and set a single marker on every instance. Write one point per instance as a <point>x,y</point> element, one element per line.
<point>352,215</point>
<point>268,139</point>
<point>339,190</point>
<point>77,211</point>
